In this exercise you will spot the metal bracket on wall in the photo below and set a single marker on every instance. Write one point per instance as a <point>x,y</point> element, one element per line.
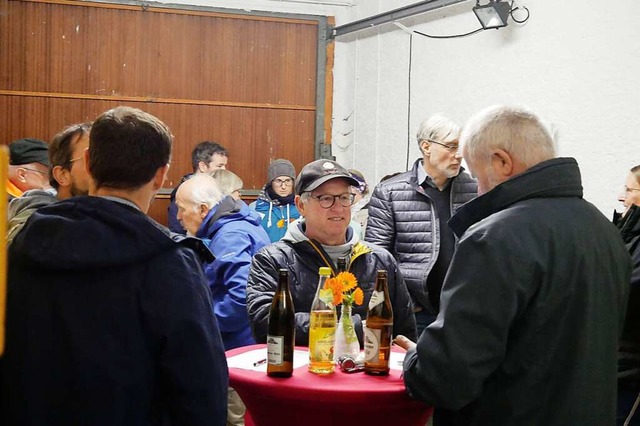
<point>392,15</point>
<point>325,152</point>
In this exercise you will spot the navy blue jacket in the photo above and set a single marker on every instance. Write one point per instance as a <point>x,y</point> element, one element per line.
<point>109,322</point>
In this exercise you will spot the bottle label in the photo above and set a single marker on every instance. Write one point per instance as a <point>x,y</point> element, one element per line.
<point>275,350</point>
<point>377,297</point>
<point>371,343</point>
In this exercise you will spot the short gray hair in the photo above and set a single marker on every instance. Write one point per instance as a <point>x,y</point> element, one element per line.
<point>203,189</point>
<point>438,128</point>
<point>513,129</point>
<point>227,181</point>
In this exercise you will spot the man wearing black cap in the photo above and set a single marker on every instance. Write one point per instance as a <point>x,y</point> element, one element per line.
<point>319,238</point>
<point>28,166</point>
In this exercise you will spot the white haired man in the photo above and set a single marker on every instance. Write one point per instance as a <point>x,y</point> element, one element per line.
<point>408,214</point>
<point>534,300</point>
<point>234,235</point>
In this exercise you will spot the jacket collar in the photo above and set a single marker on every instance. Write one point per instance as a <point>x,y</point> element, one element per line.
<point>558,177</point>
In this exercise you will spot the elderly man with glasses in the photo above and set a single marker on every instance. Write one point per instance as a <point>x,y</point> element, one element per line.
<point>28,167</point>
<point>68,177</point>
<point>319,238</point>
<point>408,214</point>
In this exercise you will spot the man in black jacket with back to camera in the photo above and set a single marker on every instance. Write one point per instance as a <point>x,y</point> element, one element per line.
<point>109,319</point>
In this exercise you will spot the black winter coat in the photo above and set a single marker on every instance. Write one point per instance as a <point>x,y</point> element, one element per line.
<point>403,220</point>
<point>532,309</point>
<point>629,353</point>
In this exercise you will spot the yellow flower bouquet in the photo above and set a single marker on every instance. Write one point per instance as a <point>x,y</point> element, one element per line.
<point>343,289</point>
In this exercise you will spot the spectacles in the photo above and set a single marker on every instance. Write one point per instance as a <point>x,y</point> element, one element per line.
<point>70,163</point>
<point>285,182</point>
<point>627,189</point>
<point>327,201</point>
<point>37,171</point>
<point>451,148</point>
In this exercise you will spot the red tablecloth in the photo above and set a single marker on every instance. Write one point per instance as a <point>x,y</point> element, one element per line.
<point>337,399</point>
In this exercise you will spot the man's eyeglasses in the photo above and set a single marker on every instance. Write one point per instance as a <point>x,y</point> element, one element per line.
<point>285,182</point>
<point>35,170</point>
<point>70,163</point>
<point>450,147</point>
<point>327,201</point>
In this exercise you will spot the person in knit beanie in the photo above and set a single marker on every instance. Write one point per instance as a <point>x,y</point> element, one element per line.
<point>275,204</point>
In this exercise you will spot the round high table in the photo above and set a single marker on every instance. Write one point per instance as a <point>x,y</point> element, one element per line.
<point>329,400</point>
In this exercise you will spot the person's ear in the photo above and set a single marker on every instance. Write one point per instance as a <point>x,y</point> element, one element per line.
<point>502,163</point>
<point>21,174</point>
<point>203,167</point>
<point>204,210</point>
<point>425,147</point>
<point>61,175</point>
<point>85,156</point>
<point>160,177</point>
<point>300,205</point>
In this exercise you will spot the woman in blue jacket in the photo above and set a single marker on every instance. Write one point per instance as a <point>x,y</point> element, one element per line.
<point>275,203</point>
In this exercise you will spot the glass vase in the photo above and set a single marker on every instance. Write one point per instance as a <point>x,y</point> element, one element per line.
<point>346,338</point>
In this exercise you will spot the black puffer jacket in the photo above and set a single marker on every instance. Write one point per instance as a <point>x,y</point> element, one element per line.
<point>629,353</point>
<point>403,220</point>
<point>303,258</point>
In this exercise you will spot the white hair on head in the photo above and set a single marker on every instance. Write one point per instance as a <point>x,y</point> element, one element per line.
<point>438,128</point>
<point>513,129</point>
<point>227,180</point>
<point>203,189</point>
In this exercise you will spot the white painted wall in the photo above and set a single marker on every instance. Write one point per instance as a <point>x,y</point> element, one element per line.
<point>576,63</point>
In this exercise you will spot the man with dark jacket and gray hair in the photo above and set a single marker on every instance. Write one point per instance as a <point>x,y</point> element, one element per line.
<point>408,214</point>
<point>534,301</point>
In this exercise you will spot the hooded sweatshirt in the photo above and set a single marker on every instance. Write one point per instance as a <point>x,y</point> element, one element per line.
<point>275,216</point>
<point>109,322</point>
<point>234,235</point>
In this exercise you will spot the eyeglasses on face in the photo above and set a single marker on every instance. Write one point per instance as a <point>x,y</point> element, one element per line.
<point>70,163</point>
<point>35,170</point>
<point>450,147</point>
<point>327,201</point>
<point>285,182</point>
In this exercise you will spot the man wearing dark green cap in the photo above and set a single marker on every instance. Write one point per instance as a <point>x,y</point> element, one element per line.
<point>28,166</point>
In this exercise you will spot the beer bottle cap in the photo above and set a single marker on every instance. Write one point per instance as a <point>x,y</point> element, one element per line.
<point>325,271</point>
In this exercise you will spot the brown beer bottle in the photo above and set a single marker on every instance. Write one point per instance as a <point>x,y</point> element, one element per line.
<point>378,329</point>
<point>282,327</point>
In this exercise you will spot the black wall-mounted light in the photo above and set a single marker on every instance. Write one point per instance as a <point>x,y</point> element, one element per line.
<point>493,14</point>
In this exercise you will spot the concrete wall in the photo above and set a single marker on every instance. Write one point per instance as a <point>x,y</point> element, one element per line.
<point>576,63</point>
